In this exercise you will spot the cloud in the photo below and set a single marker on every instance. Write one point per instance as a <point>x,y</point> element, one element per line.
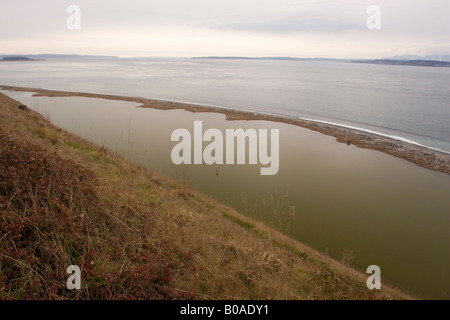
<point>245,27</point>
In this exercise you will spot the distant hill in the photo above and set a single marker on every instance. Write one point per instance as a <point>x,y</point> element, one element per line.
<point>266,58</point>
<point>249,58</point>
<point>410,59</point>
<point>18,58</point>
<point>435,57</point>
<point>421,63</point>
<point>56,56</point>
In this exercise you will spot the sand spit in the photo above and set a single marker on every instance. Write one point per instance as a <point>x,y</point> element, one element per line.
<point>419,155</point>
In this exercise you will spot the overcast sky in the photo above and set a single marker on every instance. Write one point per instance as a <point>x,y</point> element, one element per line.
<point>298,28</point>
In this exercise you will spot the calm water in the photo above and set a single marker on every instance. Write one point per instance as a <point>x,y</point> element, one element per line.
<point>408,102</point>
<point>386,211</point>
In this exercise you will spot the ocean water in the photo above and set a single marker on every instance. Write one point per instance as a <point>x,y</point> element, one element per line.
<point>406,102</point>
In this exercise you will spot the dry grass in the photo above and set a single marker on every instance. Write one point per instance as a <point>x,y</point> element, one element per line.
<point>135,234</point>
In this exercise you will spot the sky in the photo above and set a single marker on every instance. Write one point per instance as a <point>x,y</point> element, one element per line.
<point>256,28</point>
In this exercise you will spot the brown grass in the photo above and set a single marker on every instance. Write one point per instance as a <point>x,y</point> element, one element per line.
<point>135,234</point>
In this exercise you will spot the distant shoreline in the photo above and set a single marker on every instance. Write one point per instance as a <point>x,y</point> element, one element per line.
<point>19,58</point>
<point>417,63</point>
<point>392,62</point>
<point>419,155</point>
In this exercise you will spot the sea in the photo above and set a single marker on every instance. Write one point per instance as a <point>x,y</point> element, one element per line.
<point>408,103</point>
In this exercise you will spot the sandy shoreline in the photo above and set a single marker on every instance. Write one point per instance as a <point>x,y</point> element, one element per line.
<point>421,156</point>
